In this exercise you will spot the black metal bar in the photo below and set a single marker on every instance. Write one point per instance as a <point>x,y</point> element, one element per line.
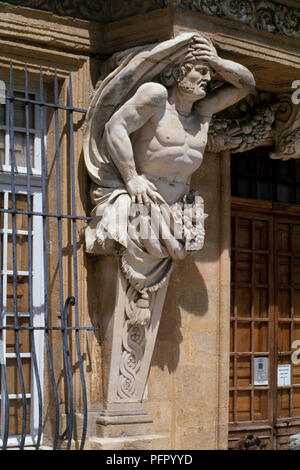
<point>46,328</point>
<point>73,300</point>
<point>64,310</point>
<point>45,261</point>
<point>68,366</point>
<point>75,269</point>
<point>58,189</point>
<point>30,269</point>
<point>4,385</point>
<point>44,214</point>
<point>45,103</point>
<point>14,248</point>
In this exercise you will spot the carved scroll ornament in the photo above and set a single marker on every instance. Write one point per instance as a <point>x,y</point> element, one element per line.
<point>287,130</point>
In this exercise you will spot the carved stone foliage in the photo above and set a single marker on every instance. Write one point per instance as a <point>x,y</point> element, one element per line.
<point>256,121</point>
<point>262,15</point>
<point>248,124</point>
<point>100,11</point>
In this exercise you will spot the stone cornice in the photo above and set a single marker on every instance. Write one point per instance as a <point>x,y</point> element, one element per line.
<point>101,11</point>
<point>268,16</point>
<point>261,15</point>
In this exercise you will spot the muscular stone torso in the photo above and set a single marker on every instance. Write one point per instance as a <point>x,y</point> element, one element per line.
<point>169,148</point>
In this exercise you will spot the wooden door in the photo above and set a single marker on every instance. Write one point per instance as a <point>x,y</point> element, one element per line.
<point>287,327</point>
<point>265,322</point>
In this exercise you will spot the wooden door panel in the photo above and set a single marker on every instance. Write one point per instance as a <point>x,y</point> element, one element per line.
<point>260,235</point>
<point>243,371</point>
<point>243,301</point>
<point>260,333</point>
<point>260,405</point>
<point>243,405</point>
<point>16,307</point>
<point>16,416</point>
<point>251,324</point>
<point>265,321</point>
<point>260,301</point>
<point>243,337</point>
<point>287,322</point>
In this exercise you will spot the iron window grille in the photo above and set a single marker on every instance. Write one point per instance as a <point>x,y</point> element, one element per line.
<point>24,177</point>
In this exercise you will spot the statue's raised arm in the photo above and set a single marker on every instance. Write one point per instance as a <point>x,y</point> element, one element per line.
<point>146,133</point>
<point>239,81</point>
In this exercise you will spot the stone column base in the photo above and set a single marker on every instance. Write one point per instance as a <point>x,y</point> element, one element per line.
<point>119,419</point>
<point>142,442</point>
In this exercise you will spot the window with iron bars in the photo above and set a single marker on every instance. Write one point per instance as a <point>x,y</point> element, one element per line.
<point>36,290</point>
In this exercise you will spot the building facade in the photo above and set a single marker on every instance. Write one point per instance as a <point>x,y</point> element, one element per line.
<point>225,361</point>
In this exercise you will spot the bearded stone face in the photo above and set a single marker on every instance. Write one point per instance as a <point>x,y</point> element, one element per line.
<point>193,79</point>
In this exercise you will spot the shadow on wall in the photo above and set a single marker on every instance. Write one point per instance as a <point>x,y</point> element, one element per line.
<point>181,295</point>
<point>187,291</point>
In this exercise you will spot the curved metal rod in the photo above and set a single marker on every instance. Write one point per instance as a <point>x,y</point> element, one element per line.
<point>4,385</point>
<point>68,366</point>
<point>30,288</point>
<point>14,249</point>
<point>44,170</point>
<point>74,232</point>
<point>6,404</point>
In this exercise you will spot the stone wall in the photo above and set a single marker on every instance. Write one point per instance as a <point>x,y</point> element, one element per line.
<point>189,381</point>
<point>187,393</point>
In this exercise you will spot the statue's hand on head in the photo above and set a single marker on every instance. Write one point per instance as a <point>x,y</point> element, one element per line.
<point>203,49</point>
<point>141,190</point>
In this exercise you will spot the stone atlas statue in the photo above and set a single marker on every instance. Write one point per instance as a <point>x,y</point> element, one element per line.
<point>145,135</point>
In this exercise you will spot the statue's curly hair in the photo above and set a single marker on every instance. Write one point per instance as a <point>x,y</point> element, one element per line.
<point>171,74</point>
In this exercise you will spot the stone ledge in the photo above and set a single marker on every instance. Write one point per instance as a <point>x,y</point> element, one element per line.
<point>142,442</point>
<point>45,29</point>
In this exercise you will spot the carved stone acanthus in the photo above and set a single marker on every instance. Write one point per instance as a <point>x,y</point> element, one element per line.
<point>264,121</point>
<point>262,15</point>
<point>287,130</point>
<point>247,125</point>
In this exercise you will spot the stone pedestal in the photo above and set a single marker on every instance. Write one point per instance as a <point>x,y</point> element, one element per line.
<point>142,442</point>
<point>128,322</point>
<point>118,419</point>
